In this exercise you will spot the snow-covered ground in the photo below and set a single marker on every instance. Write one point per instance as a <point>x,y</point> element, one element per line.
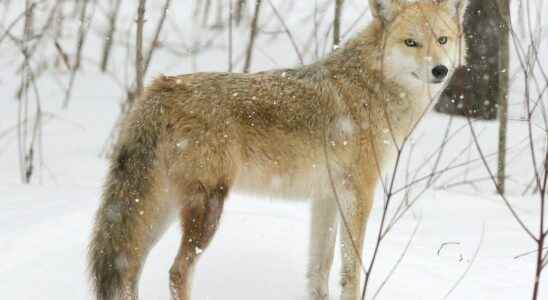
<point>260,251</point>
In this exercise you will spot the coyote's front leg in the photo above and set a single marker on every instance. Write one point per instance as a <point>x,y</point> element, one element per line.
<point>355,213</point>
<point>323,232</point>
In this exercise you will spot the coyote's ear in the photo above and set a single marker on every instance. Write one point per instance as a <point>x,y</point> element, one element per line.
<point>456,7</point>
<point>385,10</point>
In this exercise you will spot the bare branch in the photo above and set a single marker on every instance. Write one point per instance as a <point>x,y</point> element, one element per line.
<point>109,35</point>
<point>398,261</point>
<point>155,39</point>
<point>139,65</point>
<point>474,257</point>
<point>82,34</point>
<point>337,23</point>
<point>288,33</point>
<point>252,36</point>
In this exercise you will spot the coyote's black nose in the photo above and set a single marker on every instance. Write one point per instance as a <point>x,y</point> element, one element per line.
<point>440,72</point>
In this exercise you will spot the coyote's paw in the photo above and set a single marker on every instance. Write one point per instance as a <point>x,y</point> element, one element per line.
<point>318,294</point>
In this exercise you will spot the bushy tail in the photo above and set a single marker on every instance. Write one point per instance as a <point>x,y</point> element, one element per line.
<point>119,245</point>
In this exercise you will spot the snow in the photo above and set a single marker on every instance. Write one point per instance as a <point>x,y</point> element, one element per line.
<point>260,250</point>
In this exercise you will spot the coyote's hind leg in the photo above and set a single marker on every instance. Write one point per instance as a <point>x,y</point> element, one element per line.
<point>200,217</point>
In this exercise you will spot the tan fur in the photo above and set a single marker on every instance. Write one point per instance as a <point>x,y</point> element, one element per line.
<point>330,128</point>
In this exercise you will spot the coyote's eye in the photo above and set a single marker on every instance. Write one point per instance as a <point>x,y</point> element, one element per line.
<point>411,43</point>
<point>442,40</point>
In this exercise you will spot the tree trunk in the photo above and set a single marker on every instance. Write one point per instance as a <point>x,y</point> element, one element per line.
<point>504,61</point>
<point>476,88</point>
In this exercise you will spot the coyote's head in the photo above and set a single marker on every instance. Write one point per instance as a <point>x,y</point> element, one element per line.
<point>423,40</point>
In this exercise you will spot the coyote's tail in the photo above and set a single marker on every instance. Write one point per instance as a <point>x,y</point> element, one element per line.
<point>119,243</point>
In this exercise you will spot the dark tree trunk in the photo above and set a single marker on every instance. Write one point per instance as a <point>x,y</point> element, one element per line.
<point>475,89</point>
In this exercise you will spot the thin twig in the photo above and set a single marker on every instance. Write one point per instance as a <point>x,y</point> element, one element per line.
<point>155,39</point>
<point>474,257</point>
<point>398,261</point>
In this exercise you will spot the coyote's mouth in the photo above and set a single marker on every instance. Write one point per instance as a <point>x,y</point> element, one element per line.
<point>434,81</point>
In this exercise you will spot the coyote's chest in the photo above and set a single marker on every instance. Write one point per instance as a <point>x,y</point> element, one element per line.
<point>269,181</point>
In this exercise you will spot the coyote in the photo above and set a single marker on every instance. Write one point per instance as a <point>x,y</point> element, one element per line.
<point>325,131</point>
